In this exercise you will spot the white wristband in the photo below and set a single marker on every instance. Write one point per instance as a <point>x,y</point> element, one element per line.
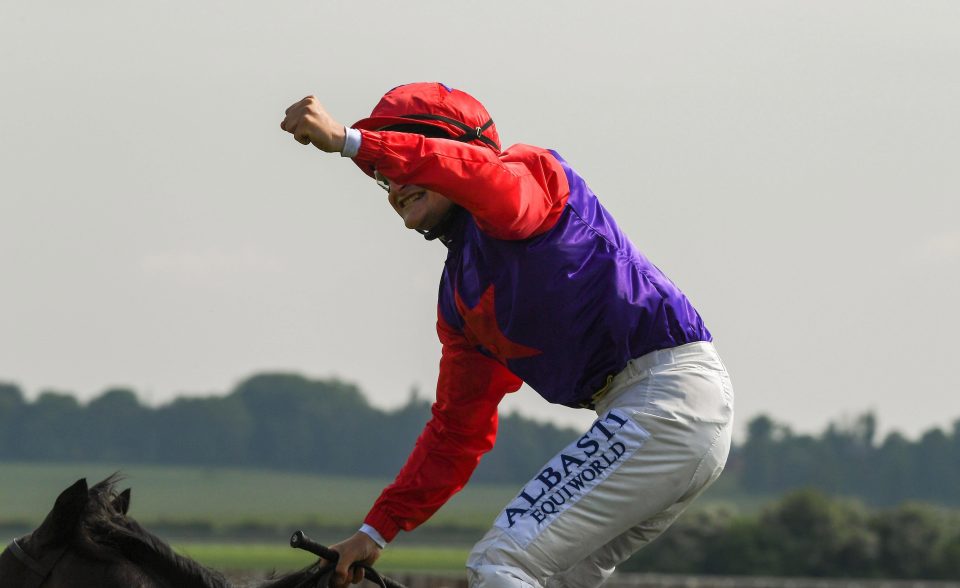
<point>351,146</point>
<point>373,534</point>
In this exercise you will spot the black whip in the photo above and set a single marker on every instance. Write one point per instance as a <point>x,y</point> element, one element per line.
<point>299,540</point>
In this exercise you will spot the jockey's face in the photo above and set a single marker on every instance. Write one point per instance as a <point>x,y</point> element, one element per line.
<point>420,209</point>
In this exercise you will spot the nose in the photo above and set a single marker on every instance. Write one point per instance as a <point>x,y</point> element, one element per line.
<point>393,192</point>
<point>395,189</point>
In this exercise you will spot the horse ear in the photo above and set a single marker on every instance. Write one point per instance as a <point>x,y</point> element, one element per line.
<point>122,501</point>
<point>63,519</point>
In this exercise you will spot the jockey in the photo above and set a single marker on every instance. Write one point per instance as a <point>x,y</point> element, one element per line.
<point>540,286</point>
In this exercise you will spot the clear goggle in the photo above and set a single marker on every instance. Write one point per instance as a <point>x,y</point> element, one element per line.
<point>382,181</point>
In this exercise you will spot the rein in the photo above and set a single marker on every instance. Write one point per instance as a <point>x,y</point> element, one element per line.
<point>42,567</point>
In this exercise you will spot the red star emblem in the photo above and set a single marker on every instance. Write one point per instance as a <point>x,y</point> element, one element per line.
<point>481,329</point>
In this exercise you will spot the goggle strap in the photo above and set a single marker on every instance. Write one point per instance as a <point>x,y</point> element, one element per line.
<point>469,134</point>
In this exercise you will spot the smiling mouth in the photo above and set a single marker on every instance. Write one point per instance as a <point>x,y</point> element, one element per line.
<point>408,200</point>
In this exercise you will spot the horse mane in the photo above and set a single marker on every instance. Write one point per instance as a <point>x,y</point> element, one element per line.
<point>107,533</point>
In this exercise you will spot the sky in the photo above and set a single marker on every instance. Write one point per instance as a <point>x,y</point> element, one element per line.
<point>792,166</point>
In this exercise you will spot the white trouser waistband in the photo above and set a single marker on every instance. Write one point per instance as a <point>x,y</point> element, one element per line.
<point>641,366</point>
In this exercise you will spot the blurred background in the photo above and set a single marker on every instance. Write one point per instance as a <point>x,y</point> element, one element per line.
<point>192,296</point>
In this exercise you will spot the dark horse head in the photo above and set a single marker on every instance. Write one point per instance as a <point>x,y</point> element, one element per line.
<point>88,540</point>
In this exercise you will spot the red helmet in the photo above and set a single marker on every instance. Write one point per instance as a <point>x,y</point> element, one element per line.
<point>457,113</point>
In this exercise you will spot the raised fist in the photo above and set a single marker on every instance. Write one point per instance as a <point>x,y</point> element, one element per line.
<point>309,122</point>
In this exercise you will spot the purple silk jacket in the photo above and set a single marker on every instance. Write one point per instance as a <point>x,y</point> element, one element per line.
<point>572,305</point>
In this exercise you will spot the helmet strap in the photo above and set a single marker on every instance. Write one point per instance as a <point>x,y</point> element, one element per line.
<point>469,133</point>
<point>443,229</point>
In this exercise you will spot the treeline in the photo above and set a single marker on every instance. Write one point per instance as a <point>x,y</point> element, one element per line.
<point>807,534</point>
<point>286,421</point>
<point>279,421</point>
<point>850,460</point>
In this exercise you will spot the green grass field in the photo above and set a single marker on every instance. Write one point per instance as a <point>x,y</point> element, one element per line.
<point>232,497</point>
<point>227,502</point>
<point>238,518</point>
<point>258,556</point>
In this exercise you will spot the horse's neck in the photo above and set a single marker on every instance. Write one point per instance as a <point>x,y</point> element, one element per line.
<point>129,574</point>
<point>158,563</point>
<point>292,580</point>
<point>122,574</point>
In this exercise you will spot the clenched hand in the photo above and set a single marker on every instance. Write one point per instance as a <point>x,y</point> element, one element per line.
<point>309,122</point>
<point>359,548</point>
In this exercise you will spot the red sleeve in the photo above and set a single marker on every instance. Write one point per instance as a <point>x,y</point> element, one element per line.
<point>463,428</point>
<point>515,195</point>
